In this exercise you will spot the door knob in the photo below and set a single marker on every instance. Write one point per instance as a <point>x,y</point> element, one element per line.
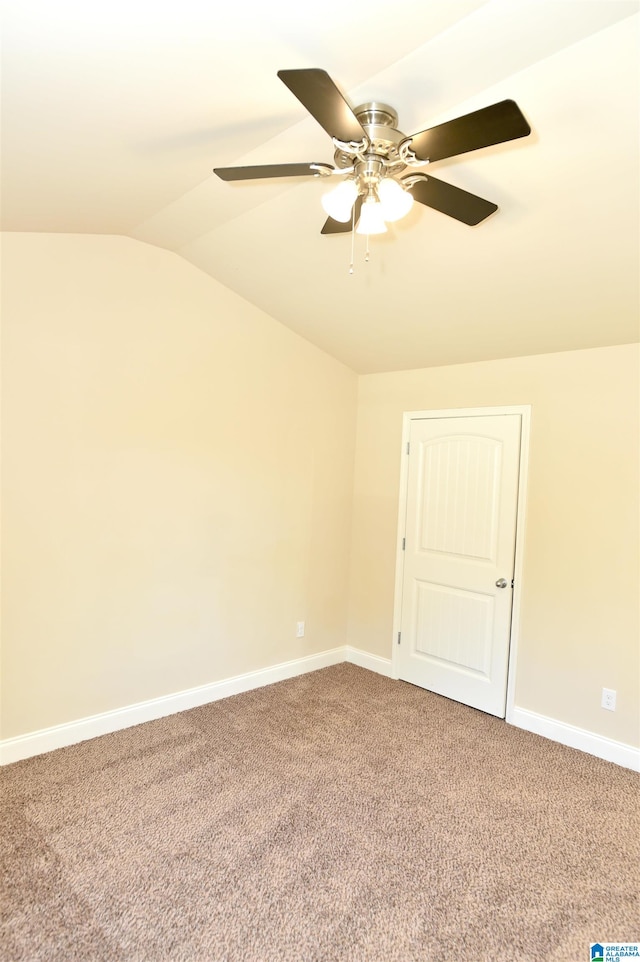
<point>501,583</point>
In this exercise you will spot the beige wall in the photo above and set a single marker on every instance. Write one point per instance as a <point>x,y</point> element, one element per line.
<point>579,617</point>
<point>177,493</point>
<point>177,481</point>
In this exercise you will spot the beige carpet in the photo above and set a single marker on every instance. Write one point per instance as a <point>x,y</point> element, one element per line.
<point>335,816</point>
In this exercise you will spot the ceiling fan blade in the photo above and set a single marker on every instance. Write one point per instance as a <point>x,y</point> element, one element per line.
<point>317,92</point>
<point>271,170</point>
<point>332,226</point>
<point>451,200</point>
<point>482,128</point>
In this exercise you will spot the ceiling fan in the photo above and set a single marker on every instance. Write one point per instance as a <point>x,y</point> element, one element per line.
<point>380,164</point>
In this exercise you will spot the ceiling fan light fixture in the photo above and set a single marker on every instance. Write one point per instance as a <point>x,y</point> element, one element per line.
<point>371,217</point>
<point>338,203</point>
<point>395,201</point>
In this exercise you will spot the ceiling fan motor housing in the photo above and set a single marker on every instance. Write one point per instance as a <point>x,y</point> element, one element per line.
<point>378,121</point>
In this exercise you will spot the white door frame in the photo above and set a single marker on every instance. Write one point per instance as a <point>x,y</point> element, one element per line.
<point>524,410</point>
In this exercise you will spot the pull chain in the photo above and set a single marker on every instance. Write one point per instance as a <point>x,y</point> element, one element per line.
<point>353,237</point>
<point>353,241</point>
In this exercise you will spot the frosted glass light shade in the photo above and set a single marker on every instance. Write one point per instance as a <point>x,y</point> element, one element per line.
<point>371,218</point>
<point>339,202</point>
<point>394,199</point>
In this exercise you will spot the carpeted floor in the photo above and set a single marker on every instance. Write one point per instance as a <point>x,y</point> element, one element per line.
<point>336,816</point>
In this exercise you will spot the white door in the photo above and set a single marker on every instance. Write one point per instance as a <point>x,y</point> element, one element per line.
<point>462,499</point>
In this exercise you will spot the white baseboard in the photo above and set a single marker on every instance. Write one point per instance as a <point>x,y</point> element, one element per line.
<point>363,659</point>
<point>625,755</point>
<point>48,739</point>
<point>60,736</point>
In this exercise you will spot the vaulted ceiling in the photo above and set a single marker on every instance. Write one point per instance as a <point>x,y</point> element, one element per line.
<point>114,115</point>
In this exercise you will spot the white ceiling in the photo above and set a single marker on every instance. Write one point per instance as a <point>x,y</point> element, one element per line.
<point>114,115</point>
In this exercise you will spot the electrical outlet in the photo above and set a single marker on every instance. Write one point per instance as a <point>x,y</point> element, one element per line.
<point>608,699</point>
<point>300,629</point>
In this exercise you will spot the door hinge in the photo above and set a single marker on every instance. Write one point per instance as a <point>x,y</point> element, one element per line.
<point>404,541</point>
<point>408,446</point>
<point>399,633</point>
